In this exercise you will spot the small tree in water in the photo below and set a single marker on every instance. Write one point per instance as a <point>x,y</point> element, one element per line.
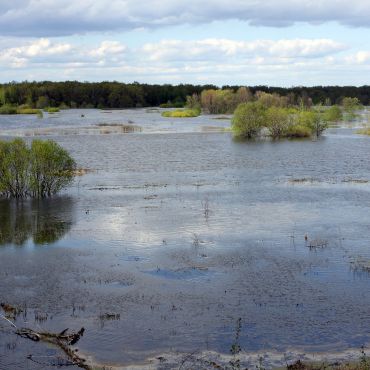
<point>39,171</point>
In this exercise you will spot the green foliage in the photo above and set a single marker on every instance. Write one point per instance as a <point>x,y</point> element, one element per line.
<point>248,120</point>
<point>76,94</point>
<point>52,109</point>
<point>298,131</point>
<point>8,109</point>
<point>184,113</point>
<point>39,171</point>
<point>364,131</point>
<point>277,121</point>
<point>193,102</point>
<point>42,102</point>
<point>351,104</point>
<point>333,114</point>
<point>313,120</point>
<point>271,100</point>
<point>28,111</point>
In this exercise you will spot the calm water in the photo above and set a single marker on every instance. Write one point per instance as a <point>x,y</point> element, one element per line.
<point>178,232</point>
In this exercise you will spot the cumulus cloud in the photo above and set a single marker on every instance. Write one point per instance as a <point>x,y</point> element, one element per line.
<point>211,60</point>
<point>44,52</point>
<point>65,17</point>
<point>361,57</point>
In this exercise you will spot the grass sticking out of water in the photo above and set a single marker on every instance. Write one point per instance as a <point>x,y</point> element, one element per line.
<point>364,131</point>
<point>181,113</point>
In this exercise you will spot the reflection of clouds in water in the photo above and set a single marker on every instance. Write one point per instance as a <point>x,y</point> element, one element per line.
<point>45,220</point>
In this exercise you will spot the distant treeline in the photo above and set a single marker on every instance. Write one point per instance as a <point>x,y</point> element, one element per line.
<point>121,95</point>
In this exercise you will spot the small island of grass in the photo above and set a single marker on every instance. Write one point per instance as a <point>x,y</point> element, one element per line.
<point>182,113</point>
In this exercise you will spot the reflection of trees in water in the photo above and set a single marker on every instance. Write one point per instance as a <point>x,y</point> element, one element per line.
<point>44,220</point>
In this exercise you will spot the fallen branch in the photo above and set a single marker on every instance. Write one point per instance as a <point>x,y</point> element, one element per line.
<point>62,340</point>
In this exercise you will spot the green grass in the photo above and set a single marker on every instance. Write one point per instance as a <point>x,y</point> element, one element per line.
<point>52,110</point>
<point>181,113</point>
<point>28,111</point>
<point>364,131</point>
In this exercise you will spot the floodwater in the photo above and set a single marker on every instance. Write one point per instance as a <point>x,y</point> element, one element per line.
<point>181,245</point>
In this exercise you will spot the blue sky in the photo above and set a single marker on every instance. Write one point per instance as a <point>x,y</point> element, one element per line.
<point>244,42</point>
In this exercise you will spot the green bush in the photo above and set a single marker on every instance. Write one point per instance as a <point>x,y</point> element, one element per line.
<point>298,131</point>
<point>8,109</point>
<point>312,120</point>
<point>37,171</point>
<point>333,114</point>
<point>277,121</point>
<point>248,120</point>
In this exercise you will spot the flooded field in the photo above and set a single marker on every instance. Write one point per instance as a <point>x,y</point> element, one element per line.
<point>181,247</point>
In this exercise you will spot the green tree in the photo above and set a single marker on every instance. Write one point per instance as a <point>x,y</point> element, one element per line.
<point>313,120</point>
<point>350,105</point>
<point>333,114</point>
<point>14,168</point>
<point>39,171</point>
<point>248,120</point>
<point>52,168</point>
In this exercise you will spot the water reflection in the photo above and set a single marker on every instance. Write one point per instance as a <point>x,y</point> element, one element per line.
<point>44,221</point>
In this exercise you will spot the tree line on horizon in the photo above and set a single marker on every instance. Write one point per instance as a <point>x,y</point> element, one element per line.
<point>74,94</point>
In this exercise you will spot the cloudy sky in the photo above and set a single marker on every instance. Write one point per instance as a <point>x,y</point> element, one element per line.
<point>244,42</point>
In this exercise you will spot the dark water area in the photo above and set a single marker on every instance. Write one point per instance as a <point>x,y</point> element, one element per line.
<point>173,239</point>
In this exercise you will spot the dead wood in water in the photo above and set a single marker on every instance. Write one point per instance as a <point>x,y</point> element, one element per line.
<point>62,340</point>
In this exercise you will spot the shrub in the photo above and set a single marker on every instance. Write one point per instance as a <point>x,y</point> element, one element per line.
<point>298,131</point>
<point>8,109</point>
<point>248,120</point>
<point>333,114</point>
<point>313,121</point>
<point>277,121</point>
<point>39,171</point>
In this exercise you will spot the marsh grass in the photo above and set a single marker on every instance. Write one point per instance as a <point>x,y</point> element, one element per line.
<point>182,113</point>
<point>364,131</point>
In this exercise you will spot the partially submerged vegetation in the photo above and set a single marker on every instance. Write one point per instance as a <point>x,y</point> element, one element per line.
<point>253,118</point>
<point>364,131</point>
<point>41,170</point>
<point>182,113</point>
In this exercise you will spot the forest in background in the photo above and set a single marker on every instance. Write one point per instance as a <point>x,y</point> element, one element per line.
<point>74,94</point>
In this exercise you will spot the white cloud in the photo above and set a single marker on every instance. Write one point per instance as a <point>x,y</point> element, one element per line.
<point>211,49</point>
<point>109,48</point>
<point>361,57</point>
<point>220,61</point>
<point>65,17</point>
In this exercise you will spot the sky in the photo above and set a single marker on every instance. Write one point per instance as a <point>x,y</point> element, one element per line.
<point>234,42</point>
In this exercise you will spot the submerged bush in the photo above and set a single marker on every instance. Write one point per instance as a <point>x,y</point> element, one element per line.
<point>333,114</point>
<point>277,121</point>
<point>313,120</point>
<point>37,171</point>
<point>298,131</point>
<point>248,120</point>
